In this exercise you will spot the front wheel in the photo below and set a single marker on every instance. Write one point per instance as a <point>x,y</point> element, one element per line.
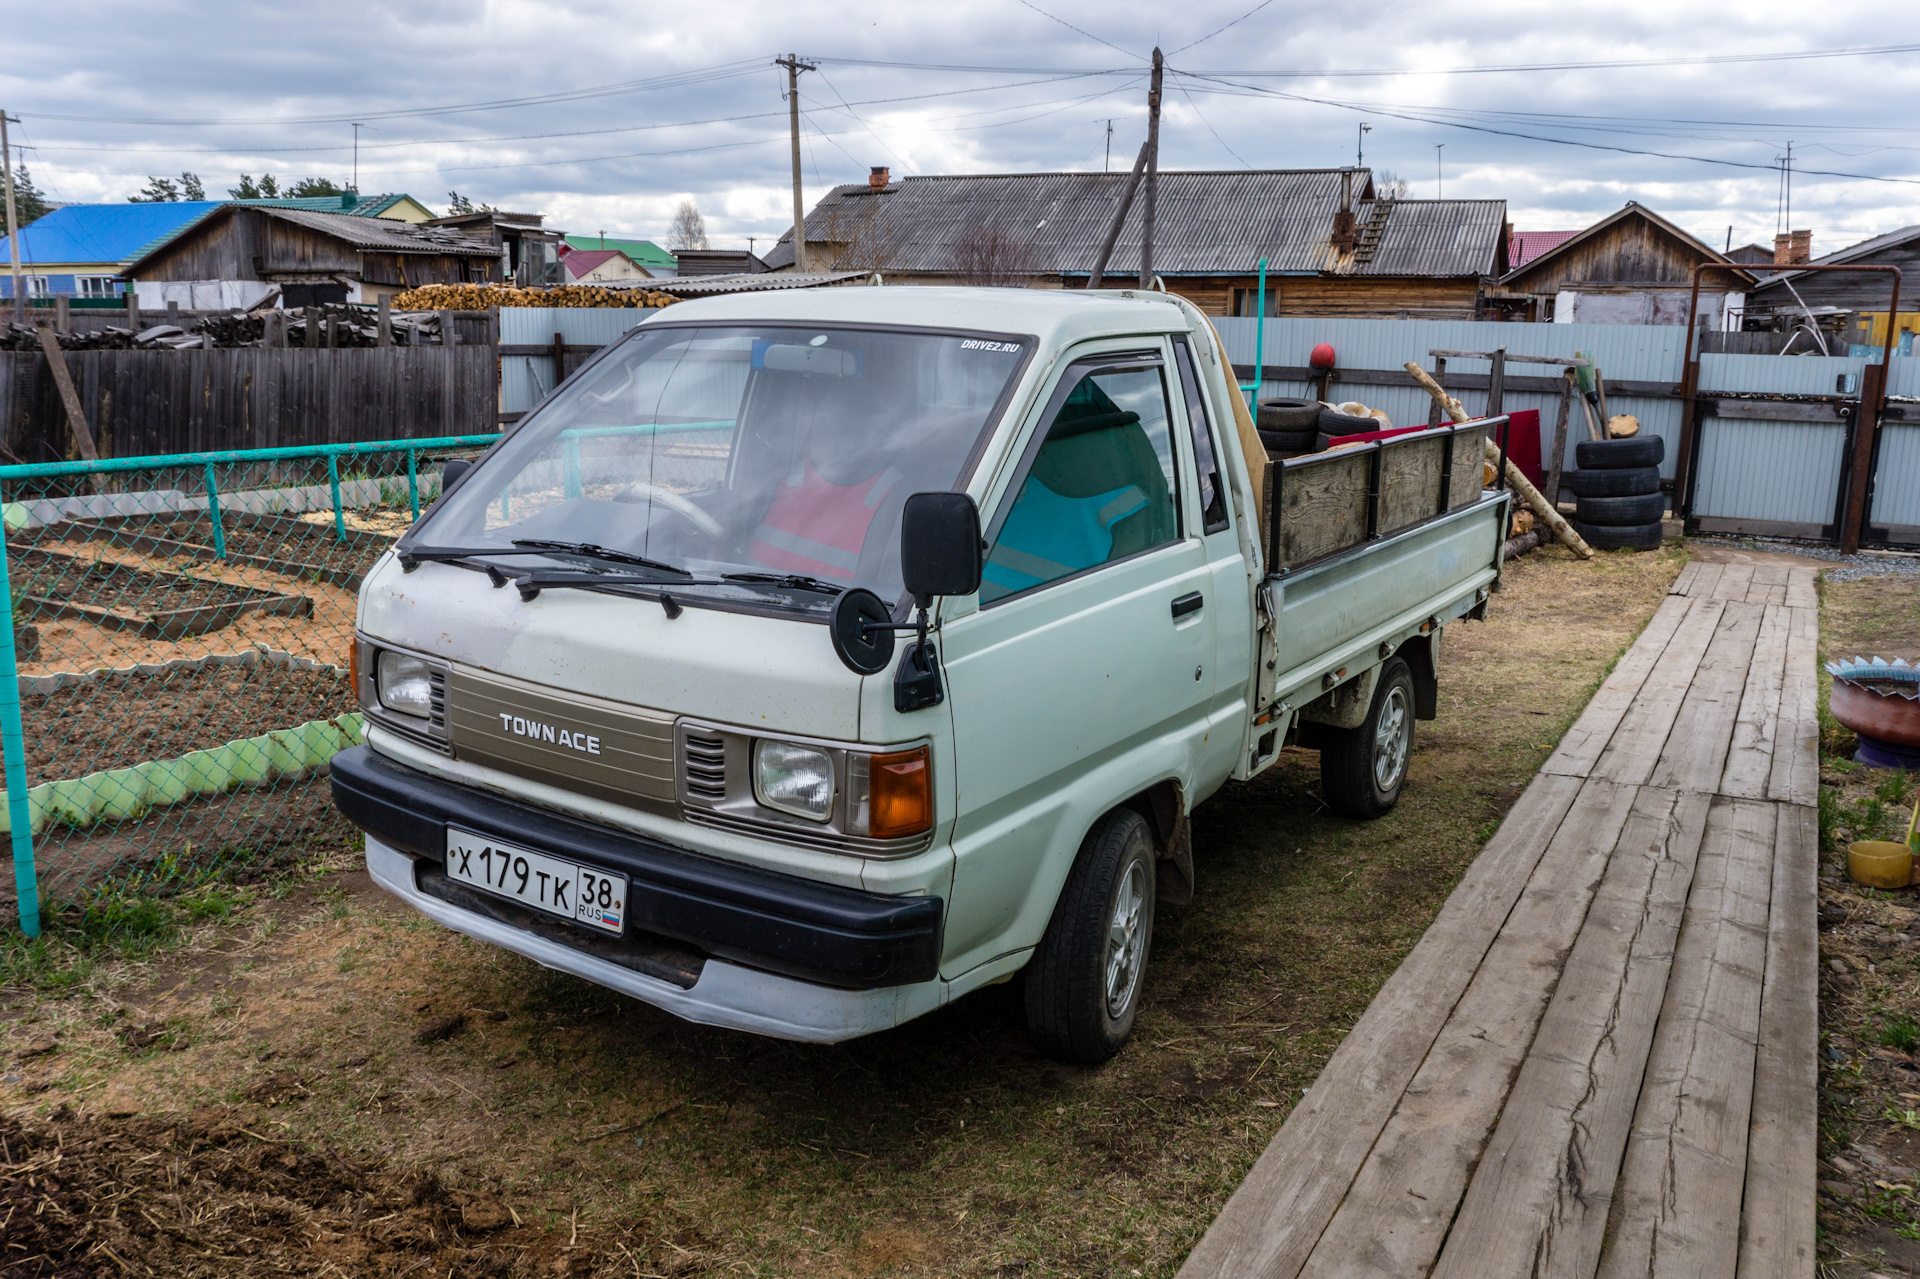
<point>1083,983</point>
<point>1363,769</point>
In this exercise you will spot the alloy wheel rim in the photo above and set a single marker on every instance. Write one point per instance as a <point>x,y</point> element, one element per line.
<point>1126,940</point>
<point>1390,735</point>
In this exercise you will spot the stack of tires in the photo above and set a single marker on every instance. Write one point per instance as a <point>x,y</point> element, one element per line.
<point>1287,427</point>
<point>1618,488</point>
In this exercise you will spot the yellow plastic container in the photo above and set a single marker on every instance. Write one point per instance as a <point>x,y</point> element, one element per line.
<point>1880,863</point>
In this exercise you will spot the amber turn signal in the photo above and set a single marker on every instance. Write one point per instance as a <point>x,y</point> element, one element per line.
<point>901,794</point>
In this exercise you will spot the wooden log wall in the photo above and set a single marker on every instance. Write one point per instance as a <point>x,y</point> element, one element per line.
<point>146,403</point>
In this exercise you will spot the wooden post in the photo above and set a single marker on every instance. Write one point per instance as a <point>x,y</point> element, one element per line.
<point>311,314</point>
<point>1497,383</point>
<point>447,336</point>
<point>63,379</point>
<point>1557,461</point>
<point>333,330</point>
<point>385,320</point>
<point>63,313</point>
<point>559,359</point>
<point>133,308</point>
<point>1866,427</point>
<point>1119,219</point>
<point>173,314</point>
<point>1600,393</point>
<point>1153,176</point>
<point>1440,380</point>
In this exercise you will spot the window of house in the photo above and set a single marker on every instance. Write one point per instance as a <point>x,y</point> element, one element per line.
<point>94,286</point>
<point>37,287</point>
<point>1246,302</point>
<point>1099,488</point>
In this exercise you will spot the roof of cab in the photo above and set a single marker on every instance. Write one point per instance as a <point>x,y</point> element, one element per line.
<point>1053,315</point>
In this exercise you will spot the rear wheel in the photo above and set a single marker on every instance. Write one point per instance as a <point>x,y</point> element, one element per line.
<point>1362,770</point>
<point>1083,983</point>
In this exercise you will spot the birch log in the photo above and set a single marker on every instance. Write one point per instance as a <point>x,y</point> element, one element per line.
<point>1539,505</point>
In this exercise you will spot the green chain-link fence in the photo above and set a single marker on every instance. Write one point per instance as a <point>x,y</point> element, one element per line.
<point>174,644</point>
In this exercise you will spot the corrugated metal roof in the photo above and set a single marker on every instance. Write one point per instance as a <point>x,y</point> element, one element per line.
<point>1525,246</point>
<point>1206,223</point>
<point>748,282</point>
<point>107,235</point>
<point>365,206</point>
<point>645,252</point>
<point>1852,253</point>
<point>384,235</point>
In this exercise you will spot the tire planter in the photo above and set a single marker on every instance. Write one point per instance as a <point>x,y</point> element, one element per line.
<point>1287,415</point>
<point>1288,441</point>
<point>1643,508</point>
<point>1620,537</point>
<point>1630,482</point>
<point>1878,699</point>
<point>1618,455</point>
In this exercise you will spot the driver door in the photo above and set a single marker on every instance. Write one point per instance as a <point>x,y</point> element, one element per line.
<point>1082,678</point>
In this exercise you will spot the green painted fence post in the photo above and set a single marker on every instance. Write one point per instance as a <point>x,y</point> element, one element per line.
<point>26,883</point>
<point>333,478</point>
<point>413,483</point>
<point>213,509</point>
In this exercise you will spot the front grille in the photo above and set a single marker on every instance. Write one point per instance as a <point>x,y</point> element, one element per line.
<point>705,759</point>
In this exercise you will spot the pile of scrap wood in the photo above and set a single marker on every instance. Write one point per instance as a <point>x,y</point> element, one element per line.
<point>479,297</point>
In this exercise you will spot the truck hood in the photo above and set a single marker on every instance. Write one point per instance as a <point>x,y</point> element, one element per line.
<point>765,672</point>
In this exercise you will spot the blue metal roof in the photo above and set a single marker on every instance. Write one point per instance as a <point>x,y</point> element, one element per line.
<point>107,235</point>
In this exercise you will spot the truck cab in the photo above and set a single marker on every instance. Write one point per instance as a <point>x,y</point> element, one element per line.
<point>810,659</point>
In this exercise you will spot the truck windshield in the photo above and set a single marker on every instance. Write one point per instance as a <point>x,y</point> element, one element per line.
<point>769,451</point>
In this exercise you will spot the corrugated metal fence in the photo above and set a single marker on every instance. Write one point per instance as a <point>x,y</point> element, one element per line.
<point>527,376</point>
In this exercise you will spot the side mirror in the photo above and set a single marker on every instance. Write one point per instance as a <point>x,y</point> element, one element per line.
<point>940,546</point>
<point>453,470</point>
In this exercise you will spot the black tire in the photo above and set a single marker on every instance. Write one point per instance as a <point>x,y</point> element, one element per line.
<point>1332,423</point>
<point>1632,482</point>
<point>1288,441</point>
<point>1072,1012</point>
<point>1645,508</point>
<point>1620,537</point>
<point>1618,455</point>
<point>1287,415</point>
<point>1362,770</point>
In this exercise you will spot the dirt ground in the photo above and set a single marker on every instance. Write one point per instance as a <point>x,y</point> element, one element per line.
<point>1870,970</point>
<point>315,1080</point>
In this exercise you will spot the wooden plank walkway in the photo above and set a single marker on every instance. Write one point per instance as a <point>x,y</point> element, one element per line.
<point>1600,1059</point>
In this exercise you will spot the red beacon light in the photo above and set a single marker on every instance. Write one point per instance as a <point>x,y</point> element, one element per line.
<point>1322,357</point>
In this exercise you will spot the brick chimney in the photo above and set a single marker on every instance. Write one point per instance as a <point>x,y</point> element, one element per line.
<point>1794,248</point>
<point>1343,235</point>
<point>877,179</point>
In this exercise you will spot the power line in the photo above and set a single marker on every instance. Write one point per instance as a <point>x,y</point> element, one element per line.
<point>1082,30</point>
<point>1216,31</point>
<point>1700,60</point>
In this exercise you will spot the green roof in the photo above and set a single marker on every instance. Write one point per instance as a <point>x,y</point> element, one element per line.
<point>645,252</point>
<point>366,206</point>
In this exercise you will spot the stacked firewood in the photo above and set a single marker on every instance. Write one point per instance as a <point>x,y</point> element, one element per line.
<point>479,297</point>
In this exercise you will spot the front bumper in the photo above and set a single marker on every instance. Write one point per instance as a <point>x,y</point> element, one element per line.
<point>734,917</point>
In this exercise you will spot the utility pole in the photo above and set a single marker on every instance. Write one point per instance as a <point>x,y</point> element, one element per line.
<point>794,67</point>
<point>1153,171</point>
<point>1439,182</point>
<point>13,222</point>
<point>1107,163</point>
<point>1360,152</point>
<point>356,156</point>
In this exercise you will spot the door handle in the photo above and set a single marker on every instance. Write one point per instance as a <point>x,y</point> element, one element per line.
<point>1191,602</point>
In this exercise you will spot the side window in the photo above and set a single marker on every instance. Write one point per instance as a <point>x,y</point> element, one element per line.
<point>1206,458</point>
<point>1099,488</point>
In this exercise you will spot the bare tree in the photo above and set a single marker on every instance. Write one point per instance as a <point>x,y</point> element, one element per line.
<point>995,258</point>
<point>689,229</point>
<point>1388,186</point>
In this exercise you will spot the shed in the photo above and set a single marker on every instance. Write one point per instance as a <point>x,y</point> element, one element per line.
<point>1331,247</point>
<point>81,250</point>
<point>310,257</point>
<point>529,251</point>
<point>1633,267</point>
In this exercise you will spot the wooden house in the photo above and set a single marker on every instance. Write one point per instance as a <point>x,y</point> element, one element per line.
<point>315,257</point>
<point>1634,267</point>
<point>1846,299</point>
<point>1331,247</point>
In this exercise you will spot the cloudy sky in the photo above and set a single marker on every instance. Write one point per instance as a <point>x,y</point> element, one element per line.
<point>606,116</point>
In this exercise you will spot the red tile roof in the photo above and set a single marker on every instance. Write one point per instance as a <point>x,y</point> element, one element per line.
<point>1525,246</point>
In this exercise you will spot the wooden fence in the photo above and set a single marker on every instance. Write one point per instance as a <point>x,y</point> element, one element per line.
<point>145,403</point>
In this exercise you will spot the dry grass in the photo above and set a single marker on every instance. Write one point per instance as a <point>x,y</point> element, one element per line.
<point>1870,971</point>
<point>945,1147</point>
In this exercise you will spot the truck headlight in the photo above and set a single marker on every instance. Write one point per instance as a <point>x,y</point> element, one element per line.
<point>793,779</point>
<point>405,684</point>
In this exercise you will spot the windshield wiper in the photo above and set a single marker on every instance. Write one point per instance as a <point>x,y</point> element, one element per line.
<point>414,556</point>
<point>597,552</point>
<point>792,581</point>
<point>530,584</point>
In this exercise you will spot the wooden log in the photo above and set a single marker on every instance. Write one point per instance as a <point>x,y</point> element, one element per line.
<point>1548,515</point>
<point>1558,460</point>
<point>69,397</point>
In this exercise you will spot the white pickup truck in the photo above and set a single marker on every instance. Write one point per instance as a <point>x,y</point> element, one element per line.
<point>812,658</point>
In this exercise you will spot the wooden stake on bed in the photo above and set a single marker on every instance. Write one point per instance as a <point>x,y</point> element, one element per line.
<point>1538,504</point>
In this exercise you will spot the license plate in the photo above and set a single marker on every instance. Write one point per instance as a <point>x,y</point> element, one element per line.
<point>551,884</point>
